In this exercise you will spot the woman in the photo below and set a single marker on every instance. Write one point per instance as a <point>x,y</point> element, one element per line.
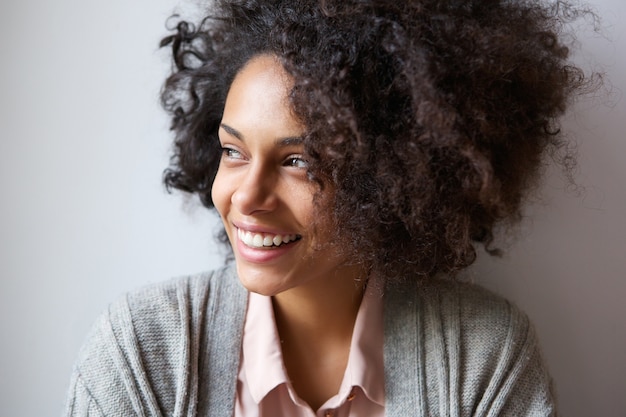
<point>356,152</point>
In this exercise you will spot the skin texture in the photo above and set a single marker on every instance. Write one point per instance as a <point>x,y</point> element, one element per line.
<point>262,187</point>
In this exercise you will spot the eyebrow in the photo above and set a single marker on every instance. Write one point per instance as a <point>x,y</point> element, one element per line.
<point>287,141</point>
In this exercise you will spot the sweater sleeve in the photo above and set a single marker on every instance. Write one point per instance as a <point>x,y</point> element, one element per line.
<point>502,372</point>
<point>170,349</point>
<point>80,403</point>
<point>137,359</point>
<point>519,384</point>
<point>109,377</point>
<point>458,350</point>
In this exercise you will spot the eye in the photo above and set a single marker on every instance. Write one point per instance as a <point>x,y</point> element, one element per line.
<point>296,161</point>
<point>231,153</point>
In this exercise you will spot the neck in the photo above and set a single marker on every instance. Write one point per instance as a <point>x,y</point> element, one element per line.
<point>325,309</point>
<point>315,324</point>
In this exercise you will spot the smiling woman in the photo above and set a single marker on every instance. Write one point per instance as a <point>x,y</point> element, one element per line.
<point>263,193</point>
<point>357,153</point>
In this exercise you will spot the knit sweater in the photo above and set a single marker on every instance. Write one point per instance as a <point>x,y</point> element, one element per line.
<point>173,349</point>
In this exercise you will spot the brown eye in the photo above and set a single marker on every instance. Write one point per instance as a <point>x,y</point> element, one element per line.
<point>296,162</point>
<point>231,153</point>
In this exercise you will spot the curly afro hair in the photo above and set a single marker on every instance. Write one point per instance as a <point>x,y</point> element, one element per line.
<point>429,119</point>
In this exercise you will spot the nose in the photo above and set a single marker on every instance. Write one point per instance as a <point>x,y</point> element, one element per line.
<point>255,192</point>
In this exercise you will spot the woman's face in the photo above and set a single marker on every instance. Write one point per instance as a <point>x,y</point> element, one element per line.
<point>280,238</point>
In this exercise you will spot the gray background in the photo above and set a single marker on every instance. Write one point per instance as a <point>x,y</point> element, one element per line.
<point>83,216</point>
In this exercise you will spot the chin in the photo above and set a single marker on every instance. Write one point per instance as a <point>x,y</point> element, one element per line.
<point>259,282</point>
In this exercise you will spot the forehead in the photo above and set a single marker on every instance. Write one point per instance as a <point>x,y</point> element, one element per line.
<point>258,99</point>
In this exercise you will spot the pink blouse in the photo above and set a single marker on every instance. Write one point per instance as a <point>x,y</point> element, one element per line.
<point>263,387</point>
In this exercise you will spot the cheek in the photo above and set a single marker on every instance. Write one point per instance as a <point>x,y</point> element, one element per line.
<point>316,212</point>
<point>299,198</point>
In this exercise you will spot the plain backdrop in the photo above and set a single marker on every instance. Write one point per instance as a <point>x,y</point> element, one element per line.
<point>84,217</point>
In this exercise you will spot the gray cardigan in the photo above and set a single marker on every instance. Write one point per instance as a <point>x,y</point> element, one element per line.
<point>172,349</point>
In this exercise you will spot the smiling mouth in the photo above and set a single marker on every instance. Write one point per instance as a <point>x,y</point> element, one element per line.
<point>265,240</point>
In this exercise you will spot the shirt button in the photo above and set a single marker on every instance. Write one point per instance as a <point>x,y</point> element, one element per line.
<point>328,413</point>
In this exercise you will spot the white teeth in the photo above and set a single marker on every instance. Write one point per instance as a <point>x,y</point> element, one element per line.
<point>259,240</point>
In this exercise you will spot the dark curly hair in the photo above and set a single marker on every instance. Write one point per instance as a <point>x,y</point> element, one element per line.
<point>430,119</point>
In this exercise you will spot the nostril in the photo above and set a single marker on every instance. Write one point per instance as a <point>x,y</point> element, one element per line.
<point>252,197</point>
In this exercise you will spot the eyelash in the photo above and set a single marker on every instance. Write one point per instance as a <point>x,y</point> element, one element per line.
<point>292,161</point>
<point>228,152</point>
<point>295,161</point>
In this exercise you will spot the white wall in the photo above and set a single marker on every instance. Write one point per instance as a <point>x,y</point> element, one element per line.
<point>567,269</point>
<point>83,216</point>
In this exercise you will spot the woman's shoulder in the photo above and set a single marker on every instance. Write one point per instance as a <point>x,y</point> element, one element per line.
<point>487,326</point>
<point>471,345</point>
<point>457,304</point>
<point>471,321</point>
<point>477,308</point>
<point>173,298</point>
<point>159,310</point>
<point>143,345</point>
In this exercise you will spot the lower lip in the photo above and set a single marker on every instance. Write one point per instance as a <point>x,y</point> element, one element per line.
<point>259,256</point>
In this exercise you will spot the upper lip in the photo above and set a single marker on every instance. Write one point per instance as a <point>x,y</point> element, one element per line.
<point>256,228</point>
